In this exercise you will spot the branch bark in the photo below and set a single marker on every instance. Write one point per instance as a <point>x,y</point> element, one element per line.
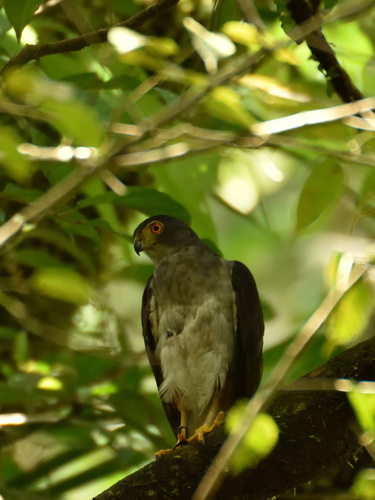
<point>322,52</point>
<point>316,436</point>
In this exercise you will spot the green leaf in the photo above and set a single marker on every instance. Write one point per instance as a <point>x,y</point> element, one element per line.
<point>56,171</point>
<point>101,224</point>
<point>126,40</point>
<point>20,193</point>
<point>21,344</point>
<point>367,196</point>
<point>16,165</point>
<point>20,13</point>
<point>319,195</point>
<point>62,284</point>
<point>13,395</point>
<point>225,103</point>
<point>6,332</point>
<point>5,26</point>
<point>226,10</point>
<point>64,242</point>
<point>364,407</point>
<point>363,484</point>
<point>258,442</point>
<point>76,120</point>
<point>146,200</point>
<point>329,4</point>
<point>76,223</point>
<point>351,315</point>
<point>124,82</point>
<point>262,437</point>
<point>243,33</point>
<point>33,257</point>
<point>287,22</point>
<point>85,80</point>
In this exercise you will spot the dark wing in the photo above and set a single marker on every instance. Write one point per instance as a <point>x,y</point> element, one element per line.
<point>172,414</point>
<point>247,361</point>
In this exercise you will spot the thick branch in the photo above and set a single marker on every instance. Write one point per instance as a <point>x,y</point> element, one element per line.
<point>315,437</point>
<point>31,52</point>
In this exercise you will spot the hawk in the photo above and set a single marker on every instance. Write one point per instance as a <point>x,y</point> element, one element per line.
<point>202,326</point>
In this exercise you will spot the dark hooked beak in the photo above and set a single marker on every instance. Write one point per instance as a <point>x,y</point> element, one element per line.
<point>138,246</point>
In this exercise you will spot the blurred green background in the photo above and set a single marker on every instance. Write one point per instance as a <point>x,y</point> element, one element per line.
<point>78,404</point>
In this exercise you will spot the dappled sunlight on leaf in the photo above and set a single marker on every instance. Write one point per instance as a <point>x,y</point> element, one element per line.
<point>257,443</point>
<point>61,284</point>
<point>125,40</point>
<point>364,407</point>
<point>351,315</point>
<point>49,384</point>
<point>210,46</point>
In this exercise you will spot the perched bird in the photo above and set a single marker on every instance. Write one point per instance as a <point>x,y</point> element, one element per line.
<point>202,326</point>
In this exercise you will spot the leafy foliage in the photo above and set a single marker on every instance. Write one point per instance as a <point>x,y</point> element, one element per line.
<point>258,442</point>
<point>317,197</point>
<point>20,13</point>
<point>94,139</point>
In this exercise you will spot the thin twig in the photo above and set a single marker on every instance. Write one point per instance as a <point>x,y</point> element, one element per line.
<point>26,218</point>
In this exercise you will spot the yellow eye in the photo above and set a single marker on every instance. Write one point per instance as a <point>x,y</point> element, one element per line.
<point>156,228</point>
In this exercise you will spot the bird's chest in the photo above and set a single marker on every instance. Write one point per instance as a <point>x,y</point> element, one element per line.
<point>193,302</point>
<point>184,280</point>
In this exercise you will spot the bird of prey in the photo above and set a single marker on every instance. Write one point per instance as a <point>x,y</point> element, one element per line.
<point>202,326</point>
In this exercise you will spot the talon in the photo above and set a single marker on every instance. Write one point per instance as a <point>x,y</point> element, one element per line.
<point>205,429</point>
<point>161,453</point>
<point>179,443</point>
<point>219,420</point>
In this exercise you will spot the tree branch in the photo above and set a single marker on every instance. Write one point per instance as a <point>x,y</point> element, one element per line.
<point>31,52</point>
<point>302,12</point>
<point>316,436</point>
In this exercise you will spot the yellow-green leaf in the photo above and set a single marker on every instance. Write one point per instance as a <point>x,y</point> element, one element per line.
<point>225,104</point>
<point>243,33</point>
<point>76,120</point>
<point>351,315</point>
<point>367,195</point>
<point>364,408</point>
<point>126,40</point>
<point>320,193</point>
<point>258,442</point>
<point>50,384</point>
<point>20,13</point>
<point>16,165</point>
<point>364,484</point>
<point>62,284</point>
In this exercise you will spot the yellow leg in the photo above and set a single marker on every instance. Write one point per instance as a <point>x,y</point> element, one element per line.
<point>181,436</point>
<point>205,429</point>
<point>213,421</point>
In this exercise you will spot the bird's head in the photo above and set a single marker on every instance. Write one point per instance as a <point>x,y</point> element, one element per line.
<point>162,235</point>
